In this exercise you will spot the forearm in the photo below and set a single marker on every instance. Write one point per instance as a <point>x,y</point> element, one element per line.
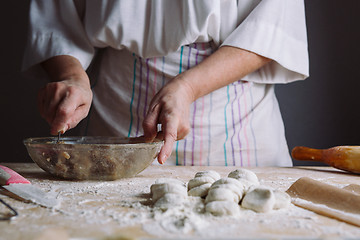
<point>226,65</point>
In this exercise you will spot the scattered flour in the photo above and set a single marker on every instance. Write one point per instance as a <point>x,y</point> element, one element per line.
<point>106,206</point>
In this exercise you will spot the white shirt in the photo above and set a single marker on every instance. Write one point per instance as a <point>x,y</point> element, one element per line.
<point>146,43</point>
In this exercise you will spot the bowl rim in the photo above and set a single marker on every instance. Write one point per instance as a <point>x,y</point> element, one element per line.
<point>90,141</point>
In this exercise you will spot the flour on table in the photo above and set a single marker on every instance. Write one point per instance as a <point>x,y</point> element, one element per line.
<point>127,203</point>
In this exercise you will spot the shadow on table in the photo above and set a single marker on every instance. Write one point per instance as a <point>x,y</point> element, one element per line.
<point>327,170</point>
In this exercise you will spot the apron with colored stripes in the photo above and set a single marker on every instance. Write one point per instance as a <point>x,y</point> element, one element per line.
<point>237,125</point>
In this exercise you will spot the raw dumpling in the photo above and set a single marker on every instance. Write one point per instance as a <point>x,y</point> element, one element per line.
<point>169,200</point>
<point>282,199</point>
<point>200,184</point>
<point>264,199</point>
<point>259,199</point>
<point>224,196</point>
<point>247,177</point>
<point>222,208</point>
<point>229,183</point>
<point>166,193</point>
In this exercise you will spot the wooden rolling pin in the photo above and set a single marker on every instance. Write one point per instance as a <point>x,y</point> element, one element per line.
<point>342,157</point>
<point>327,200</point>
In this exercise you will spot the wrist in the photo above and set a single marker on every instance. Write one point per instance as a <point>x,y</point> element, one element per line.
<point>185,82</point>
<point>64,67</point>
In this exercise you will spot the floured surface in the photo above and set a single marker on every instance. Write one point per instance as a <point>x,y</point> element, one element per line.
<point>122,208</point>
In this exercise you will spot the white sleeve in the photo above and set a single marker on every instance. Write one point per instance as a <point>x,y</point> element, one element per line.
<point>275,29</point>
<point>55,28</point>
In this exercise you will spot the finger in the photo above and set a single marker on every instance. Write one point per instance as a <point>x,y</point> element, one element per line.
<point>183,131</point>
<point>43,105</point>
<point>150,123</point>
<point>48,99</point>
<point>80,113</point>
<point>54,94</point>
<point>165,151</point>
<point>64,113</point>
<point>160,135</point>
<point>181,134</point>
<point>170,136</point>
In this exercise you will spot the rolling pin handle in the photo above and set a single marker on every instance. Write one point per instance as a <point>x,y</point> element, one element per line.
<point>307,154</point>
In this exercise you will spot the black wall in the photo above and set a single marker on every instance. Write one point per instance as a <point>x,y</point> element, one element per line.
<point>320,112</point>
<point>324,110</point>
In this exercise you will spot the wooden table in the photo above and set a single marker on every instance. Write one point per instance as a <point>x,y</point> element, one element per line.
<point>99,209</point>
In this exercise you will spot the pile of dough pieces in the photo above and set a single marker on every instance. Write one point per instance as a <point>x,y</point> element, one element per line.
<point>222,196</point>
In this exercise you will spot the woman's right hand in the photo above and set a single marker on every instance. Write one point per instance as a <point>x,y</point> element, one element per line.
<point>64,102</point>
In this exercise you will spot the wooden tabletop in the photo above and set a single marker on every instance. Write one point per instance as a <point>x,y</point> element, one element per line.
<point>121,208</point>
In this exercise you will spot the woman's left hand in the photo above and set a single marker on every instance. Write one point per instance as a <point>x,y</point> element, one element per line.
<point>170,108</point>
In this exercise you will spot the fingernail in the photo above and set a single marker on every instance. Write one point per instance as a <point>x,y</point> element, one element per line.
<point>164,158</point>
<point>63,130</point>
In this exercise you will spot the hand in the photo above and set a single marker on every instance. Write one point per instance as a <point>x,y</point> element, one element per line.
<point>64,104</point>
<point>169,107</point>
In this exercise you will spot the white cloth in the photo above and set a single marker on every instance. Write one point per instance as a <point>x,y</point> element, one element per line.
<point>146,43</point>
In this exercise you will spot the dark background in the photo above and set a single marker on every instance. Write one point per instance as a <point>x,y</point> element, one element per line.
<point>321,112</point>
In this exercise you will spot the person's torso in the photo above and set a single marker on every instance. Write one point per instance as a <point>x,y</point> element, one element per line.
<point>159,27</point>
<point>239,124</point>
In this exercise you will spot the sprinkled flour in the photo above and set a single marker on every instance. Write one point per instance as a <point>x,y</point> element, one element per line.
<point>95,209</point>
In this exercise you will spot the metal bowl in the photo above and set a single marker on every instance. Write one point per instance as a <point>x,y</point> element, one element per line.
<point>94,158</point>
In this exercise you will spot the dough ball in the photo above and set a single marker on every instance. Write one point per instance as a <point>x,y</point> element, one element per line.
<point>214,175</point>
<point>231,184</point>
<point>222,194</point>
<point>169,180</point>
<point>259,199</point>
<point>169,200</point>
<point>158,190</point>
<point>222,208</point>
<point>233,181</point>
<point>167,193</point>
<point>282,199</point>
<point>247,184</point>
<point>200,191</point>
<point>244,174</point>
<point>200,184</point>
<point>195,182</point>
